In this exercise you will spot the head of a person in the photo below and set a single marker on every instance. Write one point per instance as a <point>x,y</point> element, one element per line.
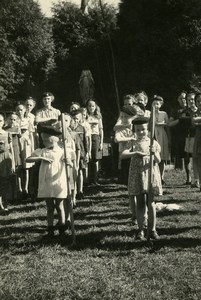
<point>198,100</point>
<point>190,98</point>
<point>1,120</point>
<point>12,119</point>
<point>30,103</point>
<point>20,110</point>
<point>141,98</point>
<point>67,119</point>
<point>77,116</point>
<point>128,100</point>
<point>140,125</point>
<point>49,139</point>
<point>182,99</point>
<point>84,113</point>
<point>157,102</point>
<point>74,106</point>
<point>125,118</point>
<point>48,98</point>
<point>93,108</point>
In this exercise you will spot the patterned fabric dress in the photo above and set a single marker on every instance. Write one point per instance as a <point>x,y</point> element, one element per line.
<point>138,181</point>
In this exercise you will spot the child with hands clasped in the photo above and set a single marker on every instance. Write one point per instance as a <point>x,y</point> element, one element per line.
<point>52,177</point>
<point>139,177</point>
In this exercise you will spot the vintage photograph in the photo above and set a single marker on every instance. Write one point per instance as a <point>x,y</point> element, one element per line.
<point>100,149</point>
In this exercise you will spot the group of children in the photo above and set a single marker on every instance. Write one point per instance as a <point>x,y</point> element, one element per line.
<point>26,139</point>
<point>69,152</point>
<point>171,138</point>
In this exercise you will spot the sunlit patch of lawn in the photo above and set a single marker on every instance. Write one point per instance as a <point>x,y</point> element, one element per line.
<point>107,262</point>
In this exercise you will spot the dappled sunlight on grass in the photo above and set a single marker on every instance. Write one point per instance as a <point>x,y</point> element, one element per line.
<point>106,262</point>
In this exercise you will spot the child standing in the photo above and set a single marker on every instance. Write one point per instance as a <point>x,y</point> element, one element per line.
<point>26,148</point>
<point>139,172</point>
<point>96,125</point>
<point>161,136</point>
<point>52,177</point>
<point>80,132</point>
<point>124,137</point>
<point>6,164</point>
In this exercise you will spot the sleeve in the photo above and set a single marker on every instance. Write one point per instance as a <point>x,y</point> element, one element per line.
<point>166,118</point>
<point>37,153</point>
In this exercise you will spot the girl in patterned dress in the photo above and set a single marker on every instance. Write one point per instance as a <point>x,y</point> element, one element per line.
<point>139,172</point>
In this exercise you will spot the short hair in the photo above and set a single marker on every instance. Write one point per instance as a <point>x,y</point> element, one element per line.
<point>128,97</point>
<point>30,98</point>
<point>158,98</point>
<point>144,93</point>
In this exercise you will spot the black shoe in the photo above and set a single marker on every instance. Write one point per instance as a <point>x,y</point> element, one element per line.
<point>50,232</point>
<point>154,235</point>
<point>79,196</point>
<point>62,229</point>
<point>140,235</point>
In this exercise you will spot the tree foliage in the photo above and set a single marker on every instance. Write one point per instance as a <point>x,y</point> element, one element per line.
<point>26,48</point>
<point>81,41</point>
<point>160,43</point>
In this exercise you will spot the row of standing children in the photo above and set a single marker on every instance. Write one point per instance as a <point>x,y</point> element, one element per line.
<point>27,145</point>
<point>171,134</point>
<point>17,142</point>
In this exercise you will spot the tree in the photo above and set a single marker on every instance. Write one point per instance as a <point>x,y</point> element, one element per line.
<point>27,49</point>
<point>81,40</point>
<point>160,44</point>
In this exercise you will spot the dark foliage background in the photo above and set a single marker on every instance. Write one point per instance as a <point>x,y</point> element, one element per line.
<point>155,46</point>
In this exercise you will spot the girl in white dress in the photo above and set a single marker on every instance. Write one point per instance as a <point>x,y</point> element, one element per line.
<point>52,177</point>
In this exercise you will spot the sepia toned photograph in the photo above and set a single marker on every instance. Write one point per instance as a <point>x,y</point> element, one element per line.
<point>100,149</point>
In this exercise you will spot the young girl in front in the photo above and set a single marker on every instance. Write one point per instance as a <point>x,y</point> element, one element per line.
<point>139,172</point>
<point>52,177</point>
<point>96,125</point>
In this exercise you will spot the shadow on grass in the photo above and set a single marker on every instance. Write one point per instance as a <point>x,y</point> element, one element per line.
<point>177,212</point>
<point>113,240</point>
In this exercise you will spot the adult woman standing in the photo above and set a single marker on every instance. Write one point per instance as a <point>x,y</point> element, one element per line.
<point>180,123</point>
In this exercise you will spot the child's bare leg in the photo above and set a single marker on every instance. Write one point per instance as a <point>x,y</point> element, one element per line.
<point>132,204</point>
<point>80,181</point>
<point>141,206</point>
<point>152,233</point>
<point>26,180</point>
<point>196,171</point>
<point>60,211</point>
<point>68,204</point>
<point>19,180</point>
<point>50,212</point>
<point>162,169</point>
<point>187,169</point>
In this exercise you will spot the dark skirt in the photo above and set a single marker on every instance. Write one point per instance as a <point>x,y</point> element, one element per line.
<point>96,153</point>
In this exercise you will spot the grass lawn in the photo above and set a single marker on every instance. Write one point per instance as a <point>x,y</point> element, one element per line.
<point>106,263</point>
